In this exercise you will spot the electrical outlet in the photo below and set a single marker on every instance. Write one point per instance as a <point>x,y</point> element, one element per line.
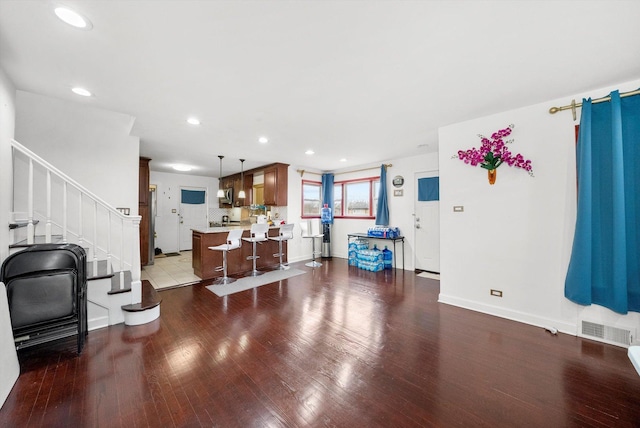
<point>496,293</point>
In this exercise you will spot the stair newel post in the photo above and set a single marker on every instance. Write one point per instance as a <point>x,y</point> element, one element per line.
<point>30,226</point>
<point>47,230</point>
<point>109,269</point>
<point>95,238</point>
<point>64,212</point>
<point>80,240</point>
<point>122,253</point>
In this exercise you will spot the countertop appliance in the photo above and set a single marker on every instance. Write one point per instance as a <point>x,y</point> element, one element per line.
<point>225,219</point>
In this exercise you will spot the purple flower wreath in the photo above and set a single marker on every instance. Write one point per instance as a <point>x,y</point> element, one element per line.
<point>494,152</point>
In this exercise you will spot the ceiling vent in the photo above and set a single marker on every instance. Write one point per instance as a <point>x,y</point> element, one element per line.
<point>608,334</point>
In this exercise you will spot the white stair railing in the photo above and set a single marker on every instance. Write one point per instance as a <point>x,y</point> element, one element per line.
<point>71,213</point>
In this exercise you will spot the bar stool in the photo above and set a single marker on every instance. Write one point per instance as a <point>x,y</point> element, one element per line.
<point>258,233</point>
<point>286,233</point>
<point>233,242</point>
<point>312,231</point>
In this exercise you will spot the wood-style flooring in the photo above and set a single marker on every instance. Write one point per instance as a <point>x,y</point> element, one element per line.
<point>335,347</point>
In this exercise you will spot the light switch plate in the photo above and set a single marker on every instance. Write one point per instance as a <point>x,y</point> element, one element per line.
<point>458,208</point>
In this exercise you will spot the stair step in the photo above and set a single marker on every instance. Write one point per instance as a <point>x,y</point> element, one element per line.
<point>21,223</point>
<point>150,299</point>
<point>102,271</point>
<point>115,283</point>
<point>39,239</point>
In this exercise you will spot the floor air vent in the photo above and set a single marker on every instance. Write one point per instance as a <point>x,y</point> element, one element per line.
<point>608,334</point>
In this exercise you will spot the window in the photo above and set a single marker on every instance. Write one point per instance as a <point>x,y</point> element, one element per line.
<point>356,198</point>
<point>311,198</point>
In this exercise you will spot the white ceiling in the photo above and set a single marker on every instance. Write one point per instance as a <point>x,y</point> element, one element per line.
<point>363,80</point>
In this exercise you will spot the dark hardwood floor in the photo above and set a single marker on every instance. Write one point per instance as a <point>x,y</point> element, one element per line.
<point>336,346</point>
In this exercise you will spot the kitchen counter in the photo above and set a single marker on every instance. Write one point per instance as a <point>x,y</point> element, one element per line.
<point>218,229</point>
<point>205,261</point>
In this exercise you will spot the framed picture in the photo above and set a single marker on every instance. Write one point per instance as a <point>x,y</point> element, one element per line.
<point>398,181</point>
<point>397,192</point>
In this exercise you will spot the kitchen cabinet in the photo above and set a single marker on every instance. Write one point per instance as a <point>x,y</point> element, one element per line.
<point>205,261</point>
<point>144,209</point>
<point>248,190</point>
<point>225,183</point>
<point>276,184</point>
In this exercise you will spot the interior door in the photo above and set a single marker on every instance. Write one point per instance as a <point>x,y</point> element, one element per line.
<point>427,221</point>
<point>193,214</point>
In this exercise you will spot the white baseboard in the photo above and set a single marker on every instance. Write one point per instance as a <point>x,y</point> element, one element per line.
<point>509,314</point>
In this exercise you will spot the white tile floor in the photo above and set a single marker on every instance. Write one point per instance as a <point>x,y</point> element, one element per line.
<point>170,271</point>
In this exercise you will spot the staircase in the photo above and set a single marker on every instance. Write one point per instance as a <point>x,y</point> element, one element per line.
<point>50,207</point>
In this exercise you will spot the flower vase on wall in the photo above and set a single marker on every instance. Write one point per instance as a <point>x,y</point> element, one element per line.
<point>492,175</point>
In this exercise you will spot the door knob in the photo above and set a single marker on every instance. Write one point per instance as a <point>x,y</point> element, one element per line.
<point>417,226</point>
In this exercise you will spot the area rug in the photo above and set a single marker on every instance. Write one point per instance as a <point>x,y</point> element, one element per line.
<point>429,275</point>
<point>249,282</point>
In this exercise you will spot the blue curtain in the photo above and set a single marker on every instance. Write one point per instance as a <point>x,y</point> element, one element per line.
<point>605,261</point>
<point>327,192</point>
<point>195,197</point>
<point>429,189</point>
<point>382,211</point>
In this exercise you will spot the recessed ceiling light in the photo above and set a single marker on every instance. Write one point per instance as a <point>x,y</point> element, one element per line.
<point>263,140</point>
<point>343,160</point>
<point>81,91</point>
<point>309,152</point>
<point>193,121</point>
<point>182,167</point>
<point>72,18</point>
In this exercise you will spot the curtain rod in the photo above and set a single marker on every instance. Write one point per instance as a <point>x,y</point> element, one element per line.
<point>574,105</point>
<point>386,165</point>
<point>302,171</point>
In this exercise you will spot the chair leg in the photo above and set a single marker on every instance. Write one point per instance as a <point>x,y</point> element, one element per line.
<point>313,262</point>
<point>255,271</point>
<point>281,266</point>
<point>225,279</point>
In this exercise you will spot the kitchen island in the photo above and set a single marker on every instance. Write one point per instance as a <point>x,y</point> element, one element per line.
<point>205,261</point>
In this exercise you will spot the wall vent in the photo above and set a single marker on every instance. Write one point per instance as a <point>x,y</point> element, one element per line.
<point>605,333</point>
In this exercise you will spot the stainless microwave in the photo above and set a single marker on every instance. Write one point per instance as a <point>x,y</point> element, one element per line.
<point>228,196</point>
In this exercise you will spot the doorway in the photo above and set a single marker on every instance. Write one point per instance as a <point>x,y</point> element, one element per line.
<point>193,214</point>
<point>427,221</point>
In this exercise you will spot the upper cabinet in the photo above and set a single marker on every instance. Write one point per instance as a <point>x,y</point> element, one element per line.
<point>275,186</point>
<point>248,190</point>
<point>225,183</point>
<point>276,179</point>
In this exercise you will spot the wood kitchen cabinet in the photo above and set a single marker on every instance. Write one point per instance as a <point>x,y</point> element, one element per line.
<point>248,190</point>
<point>225,183</point>
<point>144,209</point>
<point>276,184</point>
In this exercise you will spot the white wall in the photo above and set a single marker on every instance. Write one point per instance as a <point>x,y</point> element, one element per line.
<point>93,146</point>
<point>168,199</point>
<point>516,235</point>
<point>9,367</point>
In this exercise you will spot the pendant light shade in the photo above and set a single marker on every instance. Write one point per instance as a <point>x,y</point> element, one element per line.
<point>220,190</point>
<point>241,194</point>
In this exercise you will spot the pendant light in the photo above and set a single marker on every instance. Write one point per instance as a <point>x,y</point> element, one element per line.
<point>241,194</point>
<point>220,190</point>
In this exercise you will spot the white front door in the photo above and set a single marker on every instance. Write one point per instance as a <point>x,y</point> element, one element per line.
<point>192,216</point>
<point>426,224</point>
